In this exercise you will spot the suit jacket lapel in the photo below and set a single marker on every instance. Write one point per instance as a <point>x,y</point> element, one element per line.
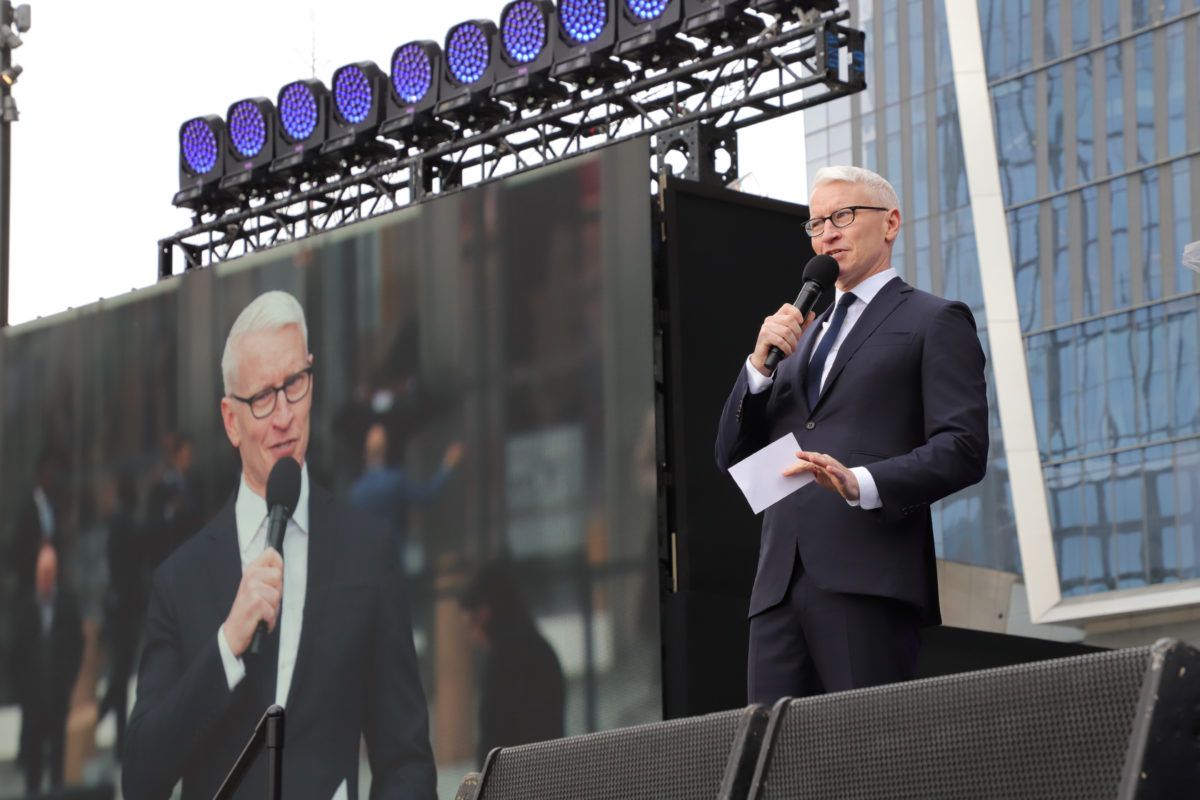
<point>322,554</point>
<point>889,298</point>
<point>225,558</point>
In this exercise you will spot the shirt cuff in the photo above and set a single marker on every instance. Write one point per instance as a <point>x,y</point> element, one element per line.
<point>756,382</point>
<point>235,668</point>
<point>868,492</point>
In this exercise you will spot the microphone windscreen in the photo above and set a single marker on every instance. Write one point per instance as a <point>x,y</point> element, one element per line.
<point>283,484</point>
<point>823,269</point>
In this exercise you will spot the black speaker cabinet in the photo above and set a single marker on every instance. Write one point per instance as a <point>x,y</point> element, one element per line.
<point>700,757</point>
<point>1120,724</point>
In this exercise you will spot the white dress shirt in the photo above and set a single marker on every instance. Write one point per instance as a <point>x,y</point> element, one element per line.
<point>45,513</point>
<point>864,293</point>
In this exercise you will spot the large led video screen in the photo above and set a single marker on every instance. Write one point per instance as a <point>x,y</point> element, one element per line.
<point>482,385</point>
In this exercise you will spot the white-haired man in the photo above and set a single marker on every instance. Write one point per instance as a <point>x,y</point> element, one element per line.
<point>885,393</point>
<point>339,657</point>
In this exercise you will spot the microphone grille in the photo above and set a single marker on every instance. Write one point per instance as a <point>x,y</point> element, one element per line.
<point>823,269</point>
<point>283,484</point>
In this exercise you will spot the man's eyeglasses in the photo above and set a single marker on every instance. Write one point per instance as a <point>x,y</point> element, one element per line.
<point>294,388</point>
<point>840,219</point>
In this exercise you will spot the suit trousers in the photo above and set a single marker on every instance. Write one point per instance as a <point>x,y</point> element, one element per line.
<point>816,641</point>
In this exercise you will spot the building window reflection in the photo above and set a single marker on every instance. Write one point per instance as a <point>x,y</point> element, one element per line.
<point>1176,86</point>
<point>1143,48</point>
<point>1091,252</point>
<point>1114,108</point>
<point>1081,24</point>
<point>1119,245</point>
<point>1016,133</point>
<point>1152,288</point>
<point>1181,222</point>
<point>1025,256</point>
<point>1060,248</point>
<point>1085,154</point>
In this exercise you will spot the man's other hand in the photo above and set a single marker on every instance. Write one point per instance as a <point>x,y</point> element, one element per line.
<point>828,472</point>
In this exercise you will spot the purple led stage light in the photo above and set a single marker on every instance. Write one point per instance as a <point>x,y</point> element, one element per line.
<point>467,53</point>
<point>412,73</point>
<point>523,31</point>
<point>648,10</point>
<point>198,144</point>
<point>247,129</point>
<point>352,94</point>
<point>298,111</point>
<point>583,20</point>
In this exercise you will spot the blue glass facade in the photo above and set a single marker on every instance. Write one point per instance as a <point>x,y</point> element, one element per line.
<point>1096,106</point>
<point>1109,313</point>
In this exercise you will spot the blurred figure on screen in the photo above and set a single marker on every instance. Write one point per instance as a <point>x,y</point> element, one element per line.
<point>36,524</point>
<point>46,655</point>
<point>388,492</point>
<point>339,656</point>
<point>173,508</point>
<point>523,693</point>
<point>125,598</point>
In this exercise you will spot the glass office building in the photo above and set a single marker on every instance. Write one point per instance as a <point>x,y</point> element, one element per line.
<point>1060,217</point>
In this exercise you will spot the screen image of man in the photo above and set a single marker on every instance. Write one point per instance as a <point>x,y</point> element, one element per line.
<point>885,393</point>
<point>338,656</point>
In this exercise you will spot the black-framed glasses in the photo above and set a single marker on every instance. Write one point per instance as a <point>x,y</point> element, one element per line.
<point>840,219</point>
<point>294,388</point>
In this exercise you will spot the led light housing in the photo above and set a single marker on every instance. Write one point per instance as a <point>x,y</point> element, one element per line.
<point>250,146</point>
<point>468,73</point>
<point>356,111</point>
<point>527,55</point>
<point>303,124</point>
<point>201,162</point>
<point>585,37</point>
<point>646,32</point>
<point>413,92</point>
<point>721,22</point>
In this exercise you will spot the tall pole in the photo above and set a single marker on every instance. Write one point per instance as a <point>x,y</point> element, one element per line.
<point>6,18</point>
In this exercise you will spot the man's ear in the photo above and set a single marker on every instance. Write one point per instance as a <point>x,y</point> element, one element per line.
<point>227,416</point>
<point>893,225</point>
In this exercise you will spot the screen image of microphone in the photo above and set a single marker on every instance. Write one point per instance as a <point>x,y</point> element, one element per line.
<point>820,273</point>
<point>283,492</point>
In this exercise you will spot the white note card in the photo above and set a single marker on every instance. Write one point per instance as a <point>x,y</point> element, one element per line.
<point>760,477</point>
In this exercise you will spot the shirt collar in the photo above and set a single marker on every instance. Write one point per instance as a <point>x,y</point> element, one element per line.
<point>250,509</point>
<point>870,287</point>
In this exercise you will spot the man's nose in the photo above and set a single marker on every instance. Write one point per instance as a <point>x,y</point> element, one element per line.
<point>829,235</point>
<point>282,415</point>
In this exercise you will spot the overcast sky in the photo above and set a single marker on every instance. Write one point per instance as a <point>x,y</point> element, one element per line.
<point>107,85</point>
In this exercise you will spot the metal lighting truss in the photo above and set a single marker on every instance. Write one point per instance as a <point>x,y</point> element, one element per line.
<point>788,67</point>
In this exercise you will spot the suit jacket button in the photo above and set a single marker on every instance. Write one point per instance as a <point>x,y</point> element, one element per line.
<point>808,426</point>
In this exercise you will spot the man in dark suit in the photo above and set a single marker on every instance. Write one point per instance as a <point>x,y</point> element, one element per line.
<point>886,395</point>
<point>522,690</point>
<point>339,657</point>
<point>36,523</point>
<point>46,655</point>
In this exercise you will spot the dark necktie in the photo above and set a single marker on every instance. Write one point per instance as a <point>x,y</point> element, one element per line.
<point>816,367</point>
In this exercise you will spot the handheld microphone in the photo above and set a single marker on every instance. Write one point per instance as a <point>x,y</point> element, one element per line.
<point>820,274</point>
<point>283,491</point>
